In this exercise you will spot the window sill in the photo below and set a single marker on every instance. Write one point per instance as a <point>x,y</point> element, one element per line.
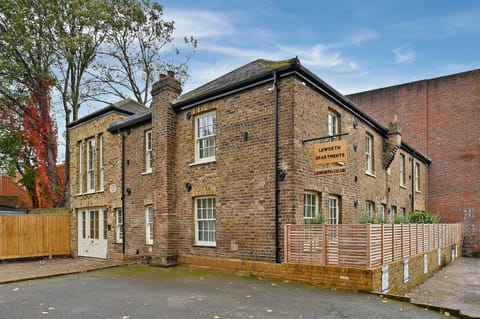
<point>418,192</point>
<point>147,173</point>
<point>403,186</point>
<point>149,244</point>
<point>203,162</point>
<point>86,193</point>
<point>370,174</point>
<point>208,245</point>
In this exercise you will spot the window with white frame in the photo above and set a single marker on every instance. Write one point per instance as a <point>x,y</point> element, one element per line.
<point>205,130</point>
<point>402,170</point>
<point>148,151</point>
<point>417,177</point>
<point>333,124</point>
<point>369,208</point>
<point>334,210</point>
<point>80,167</point>
<point>369,159</point>
<point>403,211</point>
<point>149,225</point>
<point>393,212</point>
<point>119,225</point>
<point>381,211</point>
<point>205,221</point>
<point>310,206</point>
<point>91,165</point>
<point>100,162</point>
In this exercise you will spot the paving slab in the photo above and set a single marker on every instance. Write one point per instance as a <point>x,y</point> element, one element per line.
<point>457,286</point>
<point>12,271</point>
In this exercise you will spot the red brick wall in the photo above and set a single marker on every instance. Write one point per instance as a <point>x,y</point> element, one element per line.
<point>441,118</point>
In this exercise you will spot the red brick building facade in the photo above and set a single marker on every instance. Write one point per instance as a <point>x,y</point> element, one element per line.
<point>217,172</point>
<point>441,117</point>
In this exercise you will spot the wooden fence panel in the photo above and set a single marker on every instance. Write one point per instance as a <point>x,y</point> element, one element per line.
<point>352,245</point>
<point>388,252</point>
<point>365,246</point>
<point>34,235</point>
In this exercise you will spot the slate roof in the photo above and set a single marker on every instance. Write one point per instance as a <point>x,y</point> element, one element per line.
<point>236,78</point>
<point>126,107</point>
<point>130,121</point>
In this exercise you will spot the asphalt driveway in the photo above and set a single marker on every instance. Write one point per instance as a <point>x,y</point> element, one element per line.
<point>139,291</point>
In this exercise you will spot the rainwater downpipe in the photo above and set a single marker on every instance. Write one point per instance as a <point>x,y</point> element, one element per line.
<point>124,136</point>
<point>413,181</point>
<point>277,180</point>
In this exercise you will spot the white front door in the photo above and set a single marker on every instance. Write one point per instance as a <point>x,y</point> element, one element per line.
<point>92,233</point>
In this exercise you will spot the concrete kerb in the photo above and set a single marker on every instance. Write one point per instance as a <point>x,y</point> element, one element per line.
<point>442,310</point>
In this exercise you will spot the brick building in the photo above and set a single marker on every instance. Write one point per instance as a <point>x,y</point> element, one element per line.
<point>441,118</point>
<point>12,195</point>
<point>217,172</point>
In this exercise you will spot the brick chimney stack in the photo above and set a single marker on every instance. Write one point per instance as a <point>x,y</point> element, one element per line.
<point>164,92</point>
<point>392,143</point>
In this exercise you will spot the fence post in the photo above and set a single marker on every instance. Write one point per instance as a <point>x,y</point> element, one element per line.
<point>286,235</point>
<point>324,244</point>
<point>393,242</point>
<point>383,244</point>
<point>368,247</point>
<point>401,240</point>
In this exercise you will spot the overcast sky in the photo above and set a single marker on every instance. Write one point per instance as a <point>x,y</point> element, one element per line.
<point>352,45</point>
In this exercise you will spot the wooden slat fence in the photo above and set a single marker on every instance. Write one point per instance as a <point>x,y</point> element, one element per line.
<point>24,236</point>
<point>365,246</point>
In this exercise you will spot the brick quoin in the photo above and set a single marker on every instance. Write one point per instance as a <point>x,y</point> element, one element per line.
<point>441,117</point>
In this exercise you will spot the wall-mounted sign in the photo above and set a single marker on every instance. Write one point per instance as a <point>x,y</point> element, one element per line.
<point>330,152</point>
<point>330,171</point>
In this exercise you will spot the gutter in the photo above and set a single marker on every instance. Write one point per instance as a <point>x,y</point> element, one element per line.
<point>413,180</point>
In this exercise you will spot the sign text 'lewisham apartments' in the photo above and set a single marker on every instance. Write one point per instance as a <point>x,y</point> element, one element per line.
<point>330,153</point>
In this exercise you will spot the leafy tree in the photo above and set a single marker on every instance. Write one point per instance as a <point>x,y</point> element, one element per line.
<point>25,80</point>
<point>138,48</point>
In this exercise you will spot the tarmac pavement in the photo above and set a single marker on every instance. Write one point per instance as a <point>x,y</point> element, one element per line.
<point>139,291</point>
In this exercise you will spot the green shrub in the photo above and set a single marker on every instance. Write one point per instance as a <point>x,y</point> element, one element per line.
<point>401,219</point>
<point>367,218</point>
<point>422,217</point>
<point>320,219</point>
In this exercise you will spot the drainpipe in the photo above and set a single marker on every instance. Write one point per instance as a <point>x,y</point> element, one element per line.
<point>123,134</point>
<point>413,181</point>
<point>277,180</point>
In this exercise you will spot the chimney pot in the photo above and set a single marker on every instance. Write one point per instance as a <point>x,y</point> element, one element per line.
<point>162,76</point>
<point>171,74</point>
